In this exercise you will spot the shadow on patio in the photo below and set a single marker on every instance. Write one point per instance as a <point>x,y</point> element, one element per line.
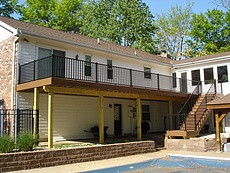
<point>157,137</point>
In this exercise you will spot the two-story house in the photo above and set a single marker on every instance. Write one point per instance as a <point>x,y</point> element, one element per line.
<point>76,82</point>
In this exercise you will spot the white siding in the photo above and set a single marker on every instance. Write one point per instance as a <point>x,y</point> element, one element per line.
<point>159,109</point>
<point>5,33</point>
<point>73,115</point>
<point>203,66</point>
<point>28,51</point>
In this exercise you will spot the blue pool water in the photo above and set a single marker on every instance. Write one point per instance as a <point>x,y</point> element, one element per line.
<point>173,164</point>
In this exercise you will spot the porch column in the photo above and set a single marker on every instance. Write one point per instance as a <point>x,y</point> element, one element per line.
<point>218,139</point>
<point>171,115</point>
<point>138,107</point>
<point>101,119</point>
<point>50,119</point>
<point>35,108</point>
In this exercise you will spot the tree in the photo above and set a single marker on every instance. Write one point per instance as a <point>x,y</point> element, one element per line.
<point>57,14</point>
<point>223,3</point>
<point>172,30</point>
<point>8,7</point>
<point>210,33</point>
<point>125,22</point>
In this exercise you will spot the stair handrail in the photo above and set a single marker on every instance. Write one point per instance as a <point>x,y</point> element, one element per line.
<point>190,97</point>
<point>205,99</point>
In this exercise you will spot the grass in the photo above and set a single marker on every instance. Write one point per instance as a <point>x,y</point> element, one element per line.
<point>6,144</point>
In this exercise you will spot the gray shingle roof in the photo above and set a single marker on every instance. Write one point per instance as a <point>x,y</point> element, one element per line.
<point>77,38</point>
<point>222,100</point>
<point>202,58</point>
<point>49,32</point>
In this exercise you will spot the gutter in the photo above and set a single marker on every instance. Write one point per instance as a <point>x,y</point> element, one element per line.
<point>93,47</point>
<point>213,60</point>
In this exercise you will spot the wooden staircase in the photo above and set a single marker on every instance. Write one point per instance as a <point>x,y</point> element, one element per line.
<point>195,119</point>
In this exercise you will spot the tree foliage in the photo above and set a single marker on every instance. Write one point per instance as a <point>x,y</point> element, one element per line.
<point>210,33</point>
<point>125,22</point>
<point>58,14</point>
<point>8,7</point>
<point>172,30</point>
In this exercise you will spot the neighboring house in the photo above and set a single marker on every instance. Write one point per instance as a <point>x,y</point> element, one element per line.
<point>77,82</point>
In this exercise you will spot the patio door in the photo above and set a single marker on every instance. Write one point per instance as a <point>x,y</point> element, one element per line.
<point>117,119</point>
<point>45,63</point>
<point>184,83</point>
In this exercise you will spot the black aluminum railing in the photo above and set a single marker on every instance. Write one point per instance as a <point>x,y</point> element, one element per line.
<point>14,121</point>
<point>63,67</point>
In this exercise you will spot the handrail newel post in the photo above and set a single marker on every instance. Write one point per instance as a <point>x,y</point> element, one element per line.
<point>19,72</point>
<point>131,77</point>
<point>158,81</point>
<point>96,71</point>
<point>34,76</point>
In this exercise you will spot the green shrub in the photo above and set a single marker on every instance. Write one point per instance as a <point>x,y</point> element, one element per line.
<point>6,144</point>
<point>26,141</point>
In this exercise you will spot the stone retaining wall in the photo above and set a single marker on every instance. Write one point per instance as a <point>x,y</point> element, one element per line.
<point>54,157</point>
<point>192,144</point>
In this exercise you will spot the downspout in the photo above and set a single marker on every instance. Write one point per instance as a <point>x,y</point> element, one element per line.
<point>13,70</point>
<point>13,80</point>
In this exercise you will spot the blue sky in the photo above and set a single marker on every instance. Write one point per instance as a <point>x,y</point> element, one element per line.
<point>159,6</point>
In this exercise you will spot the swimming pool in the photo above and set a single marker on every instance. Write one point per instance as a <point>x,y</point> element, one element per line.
<point>173,164</point>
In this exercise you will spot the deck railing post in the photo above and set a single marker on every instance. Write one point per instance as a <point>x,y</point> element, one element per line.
<point>185,122</point>
<point>52,66</point>
<point>34,75</point>
<point>131,77</point>
<point>19,72</point>
<point>195,121</point>
<point>214,81</point>
<point>158,81</point>
<point>96,71</point>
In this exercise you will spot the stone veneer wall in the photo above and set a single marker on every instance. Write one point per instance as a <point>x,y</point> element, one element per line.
<point>192,144</point>
<point>6,57</point>
<point>54,157</point>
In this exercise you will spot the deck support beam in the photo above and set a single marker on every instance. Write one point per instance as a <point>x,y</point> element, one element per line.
<point>101,119</point>
<point>50,119</point>
<point>219,119</point>
<point>218,139</point>
<point>138,108</point>
<point>35,108</point>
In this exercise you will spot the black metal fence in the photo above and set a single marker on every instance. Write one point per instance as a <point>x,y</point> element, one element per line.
<point>63,67</point>
<point>14,121</point>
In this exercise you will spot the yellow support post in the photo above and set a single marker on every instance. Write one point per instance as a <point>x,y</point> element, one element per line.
<point>218,139</point>
<point>139,112</point>
<point>50,119</point>
<point>171,115</point>
<point>35,108</point>
<point>101,119</point>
